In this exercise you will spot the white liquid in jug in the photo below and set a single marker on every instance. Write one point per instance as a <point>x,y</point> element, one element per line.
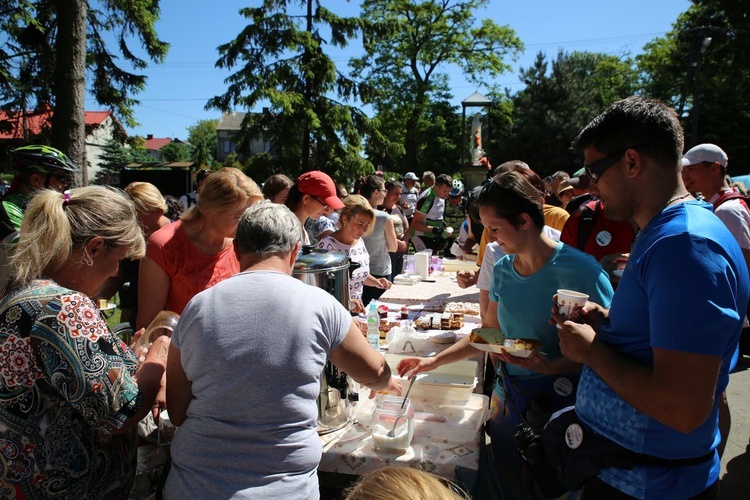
<point>400,441</point>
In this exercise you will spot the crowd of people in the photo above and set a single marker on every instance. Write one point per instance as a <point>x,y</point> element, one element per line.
<point>240,373</point>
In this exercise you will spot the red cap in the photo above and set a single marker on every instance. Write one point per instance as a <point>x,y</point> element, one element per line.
<point>320,185</point>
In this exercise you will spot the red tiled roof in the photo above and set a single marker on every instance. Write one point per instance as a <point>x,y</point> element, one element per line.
<point>34,122</point>
<point>23,125</point>
<point>157,143</point>
<point>95,117</point>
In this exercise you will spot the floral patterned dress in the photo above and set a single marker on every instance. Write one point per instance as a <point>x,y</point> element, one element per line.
<point>65,385</point>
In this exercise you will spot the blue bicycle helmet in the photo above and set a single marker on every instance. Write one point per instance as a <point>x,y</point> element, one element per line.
<point>458,189</point>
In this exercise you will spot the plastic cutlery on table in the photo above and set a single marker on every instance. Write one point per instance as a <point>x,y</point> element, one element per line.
<point>392,432</point>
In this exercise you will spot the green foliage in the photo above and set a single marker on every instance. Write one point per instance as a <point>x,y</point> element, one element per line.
<point>408,45</point>
<point>116,154</point>
<point>202,136</point>
<point>281,58</point>
<point>177,151</point>
<point>438,129</point>
<point>556,104</point>
<point>29,56</point>
<point>708,82</point>
<point>232,160</point>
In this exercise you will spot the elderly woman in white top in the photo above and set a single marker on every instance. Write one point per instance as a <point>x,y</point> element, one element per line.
<point>357,219</point>
<point>381,240</point>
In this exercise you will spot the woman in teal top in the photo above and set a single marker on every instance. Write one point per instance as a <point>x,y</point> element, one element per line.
<point>524,282</point>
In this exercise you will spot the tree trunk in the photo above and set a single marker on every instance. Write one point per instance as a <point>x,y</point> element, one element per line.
<point>306,143</point>
<point>69,83</point>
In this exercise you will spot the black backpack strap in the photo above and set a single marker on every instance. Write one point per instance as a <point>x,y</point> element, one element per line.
<point>585,224</point>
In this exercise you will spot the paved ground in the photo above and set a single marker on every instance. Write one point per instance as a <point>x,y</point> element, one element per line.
<point>735,464</point>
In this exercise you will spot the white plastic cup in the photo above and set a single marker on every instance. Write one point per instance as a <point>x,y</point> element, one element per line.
<point>570,302</point>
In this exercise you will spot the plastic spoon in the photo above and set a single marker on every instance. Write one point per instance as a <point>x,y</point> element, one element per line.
<point>392,432</point>
<point>408,390</point>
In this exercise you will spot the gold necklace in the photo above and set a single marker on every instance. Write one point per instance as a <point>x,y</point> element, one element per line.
<point>676,198</point>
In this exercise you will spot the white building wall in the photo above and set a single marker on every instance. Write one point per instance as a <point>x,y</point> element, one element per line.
<point>95,143</point>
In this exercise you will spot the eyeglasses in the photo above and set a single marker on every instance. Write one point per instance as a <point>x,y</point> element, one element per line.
<point>59,176</point>
<point>596,169</point>
<point>325,205</point>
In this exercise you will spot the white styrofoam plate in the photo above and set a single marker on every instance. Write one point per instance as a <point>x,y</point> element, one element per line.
<point>519,353</point>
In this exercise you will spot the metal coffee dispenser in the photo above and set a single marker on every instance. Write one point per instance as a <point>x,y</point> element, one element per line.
<point>330,271</point>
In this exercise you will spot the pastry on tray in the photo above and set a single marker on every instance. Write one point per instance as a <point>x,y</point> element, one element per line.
<point>471,308</point>
<point>440,321</point>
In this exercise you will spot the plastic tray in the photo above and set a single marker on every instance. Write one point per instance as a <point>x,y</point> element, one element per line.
<point>449,421</point>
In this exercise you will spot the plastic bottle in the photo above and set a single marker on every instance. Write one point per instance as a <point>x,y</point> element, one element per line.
<point>373,325</point>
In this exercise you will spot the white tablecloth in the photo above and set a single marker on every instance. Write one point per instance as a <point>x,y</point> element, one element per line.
<point>434,295</point>
<point>437,447</point>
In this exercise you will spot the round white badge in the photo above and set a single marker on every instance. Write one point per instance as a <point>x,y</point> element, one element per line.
<point>574,436</point>
<point>603,238</point>
<point>563,386</point>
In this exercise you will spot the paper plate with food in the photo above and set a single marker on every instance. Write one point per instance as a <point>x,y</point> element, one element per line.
<point>493,340</point>
<point>487,339</point>
<point>521,348</point>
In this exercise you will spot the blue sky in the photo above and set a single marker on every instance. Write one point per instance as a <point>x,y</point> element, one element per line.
<point>178,90</point>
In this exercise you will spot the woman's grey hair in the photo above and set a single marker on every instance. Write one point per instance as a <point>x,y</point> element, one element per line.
<point>267,229</point>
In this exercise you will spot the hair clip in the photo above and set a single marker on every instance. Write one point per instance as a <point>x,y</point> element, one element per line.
<point>66,199</point>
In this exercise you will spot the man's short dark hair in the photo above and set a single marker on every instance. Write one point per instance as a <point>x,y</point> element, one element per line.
<point>648,123</point>
<point>443,180</point>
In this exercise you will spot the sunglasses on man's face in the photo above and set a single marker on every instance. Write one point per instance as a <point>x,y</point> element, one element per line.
<point>595,170</point>
<point>59,176</point>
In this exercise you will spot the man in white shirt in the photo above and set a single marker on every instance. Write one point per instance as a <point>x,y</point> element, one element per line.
<point>704,170</point>
<point>409,195</point>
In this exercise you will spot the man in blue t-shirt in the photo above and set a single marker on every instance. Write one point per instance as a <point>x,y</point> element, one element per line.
<point>657,361</point>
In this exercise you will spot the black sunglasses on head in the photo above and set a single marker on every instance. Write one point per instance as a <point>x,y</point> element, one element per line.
<point>596,169</point>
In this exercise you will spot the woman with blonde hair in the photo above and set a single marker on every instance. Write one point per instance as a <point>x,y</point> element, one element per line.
<point>150,207</point>
<point>195,252</point>
<point>402,483</point>
<point>71,391</point>
<point>357,219</point>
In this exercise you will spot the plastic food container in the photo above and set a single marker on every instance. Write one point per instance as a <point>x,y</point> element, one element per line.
<point>450,421</point>
<point>453,382</point>
<point>392,425</point>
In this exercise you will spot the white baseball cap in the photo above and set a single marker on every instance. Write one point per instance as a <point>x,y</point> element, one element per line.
<point>411,176</point>
<point>705,152</point>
